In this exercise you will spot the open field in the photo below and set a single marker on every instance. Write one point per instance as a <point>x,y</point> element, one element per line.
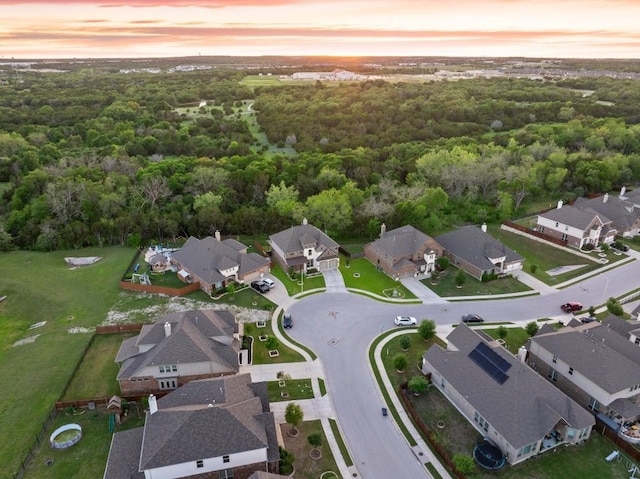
<point>41,287</point>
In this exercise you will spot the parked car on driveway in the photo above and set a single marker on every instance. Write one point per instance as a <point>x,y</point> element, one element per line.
<point>287,321</point>
<point>260,286</point>
<point>588,319</point>
<point>472,318</point>
<point>571,306</point>
<point>269,282</point>
<point>405,321</point>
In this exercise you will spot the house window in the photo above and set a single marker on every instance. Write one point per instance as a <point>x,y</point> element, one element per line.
<point>310,252</point>
<point>200,463</point>
<point>637,341</point>
<point>225,459</point>
<point>167,368</point>
<point>556,224</point>
<point>226,474</point>
<point>541,229</point>
<point>553,374</point>
<point>571,371</point>
<point>554,360</point>
<point>564,237</point>
<point>443,383</point>
<point>527,449</point>
<point>594,405</point>
<point>166,384</point>
<point>571,433</point>
<point>481,421</point>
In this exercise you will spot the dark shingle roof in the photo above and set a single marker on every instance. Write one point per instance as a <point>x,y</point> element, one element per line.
<point>189,425</point>
<point>298,237</point>
<point>621,212</point>
<point>196,336</point>
<point>597,352</point>
<point>206,258</point>
<point>539,404</point>
<point>475,246</point>
<point>572,216</point>
<point>124,455</point>
<point>404,241</point>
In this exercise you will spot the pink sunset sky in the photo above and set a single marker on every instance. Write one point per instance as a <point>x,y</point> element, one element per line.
<point>146,28</point>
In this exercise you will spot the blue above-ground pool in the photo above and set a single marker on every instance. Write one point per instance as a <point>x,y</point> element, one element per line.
<point>489,456</point>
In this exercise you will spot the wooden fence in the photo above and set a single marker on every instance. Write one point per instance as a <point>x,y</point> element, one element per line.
<point>119,328</point>
<point>620,443</point>
<point>537,234</point>
<point>149,288</point>
<point>433,442</point>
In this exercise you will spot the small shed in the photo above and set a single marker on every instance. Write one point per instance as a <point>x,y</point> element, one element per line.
<point>114,406</point>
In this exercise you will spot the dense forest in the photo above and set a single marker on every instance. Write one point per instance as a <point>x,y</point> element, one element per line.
<point>98,157</point>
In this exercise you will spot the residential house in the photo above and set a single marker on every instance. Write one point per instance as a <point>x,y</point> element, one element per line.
<point>403,251</point>
<point>596,364</point>
<point>177,349</point>
<point>211,428</point>
<point>621,210</point>
<point>215,263</point>
<point>578,227</point>
<point>505,400</point>
<point>475,251</point>
<point>304,247</point>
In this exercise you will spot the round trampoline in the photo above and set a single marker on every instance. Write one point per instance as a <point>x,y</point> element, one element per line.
<point>65,436</point>
<point>488,456</point>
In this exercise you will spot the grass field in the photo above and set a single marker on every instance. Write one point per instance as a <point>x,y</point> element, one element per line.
<point>445,285</point>
<point>260,351</point>
<point>41,287</point>
<point>362,274</point>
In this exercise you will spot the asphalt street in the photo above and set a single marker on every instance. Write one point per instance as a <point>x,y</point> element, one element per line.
<point>339,328</point>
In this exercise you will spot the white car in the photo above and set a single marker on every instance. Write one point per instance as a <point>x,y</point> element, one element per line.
<point>269,282</point>
<point>405,321</point>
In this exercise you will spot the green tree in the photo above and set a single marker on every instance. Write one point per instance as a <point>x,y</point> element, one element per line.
<point>460,278</point>
<point>427,329</point>
<point>464,463</point>
<point>272,343</point>
<point>293,415</point>
<point>418,384</point>
<point>405,342</point>
<point>614,307</point>
<point>399,362</point>
<point>286,461</point>
<point>442,262</point>
<point>502,332</point>
<point>331,209</point>
<point>315,439</point>
<point>531,328</point>
<point>283,199</point>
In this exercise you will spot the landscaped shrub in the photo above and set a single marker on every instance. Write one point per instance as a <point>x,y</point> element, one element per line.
<point>315,439</point>
<point>460,278</point>
<point>418,384</point>
<point>399,361</point>
<point>464,463</point>
<point>442,263</point>
<point>533,268</point>
<point>614,307</point>
<point>531,328</point>
<point>502,332</point>
<point>427,329</point>
<point>286,461</point>
<point>272,343</point>
<point>405,342</point>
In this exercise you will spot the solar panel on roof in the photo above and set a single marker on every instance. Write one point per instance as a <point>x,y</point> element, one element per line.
<point>490,362</point>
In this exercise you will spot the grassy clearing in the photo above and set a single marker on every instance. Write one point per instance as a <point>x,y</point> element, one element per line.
<point>260,350</point>
<point>413,354</point>
<point>41,287</point>
<point>515,337</point>
<point>305,467</point>
<point>96,376</point>
<point>446,287</point>
<point>362,274</point>
<point>253,81</point>
<point>295,389</point>
<point>88,457</point>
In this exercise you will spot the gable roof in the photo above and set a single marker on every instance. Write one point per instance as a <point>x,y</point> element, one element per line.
<point>401,242</point>
<point>208,418</point>
<point>297,238</point>
<point>206,258</point>
<point>597,352</point>
<point>572,216</point>
<point>539,404</point>
<point>476,247</point>
<point>196,336</point>
<point>190,426</point>
<point>619,211</point>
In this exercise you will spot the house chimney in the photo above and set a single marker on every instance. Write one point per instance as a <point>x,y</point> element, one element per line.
<point>559,204</point>
<point>623,190</point>
<point>484,227</point>
<point>304,221</point>
<point>605,197</point>
<point>217,234</point>
<point>522,354</point>
<point>153,405</point>
<point>383,229</point>
<point>167,329</point>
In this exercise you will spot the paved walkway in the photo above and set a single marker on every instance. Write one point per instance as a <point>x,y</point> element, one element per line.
<point>320,407</point>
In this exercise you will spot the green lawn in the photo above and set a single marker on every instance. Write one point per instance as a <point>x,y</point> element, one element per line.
<point>446,287</point>
<point>546,257</point>
<point>41,287</point>
<point>305,467</point>
<point>362,274</point>
<point>260,351</point>
<point>293,286</point>
<point>295,389</point>
<point>515,338</point>
<point>96,376</point>
<point>88,457</point>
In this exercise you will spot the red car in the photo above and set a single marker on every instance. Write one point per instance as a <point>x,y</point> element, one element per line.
<point>571,306</point>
